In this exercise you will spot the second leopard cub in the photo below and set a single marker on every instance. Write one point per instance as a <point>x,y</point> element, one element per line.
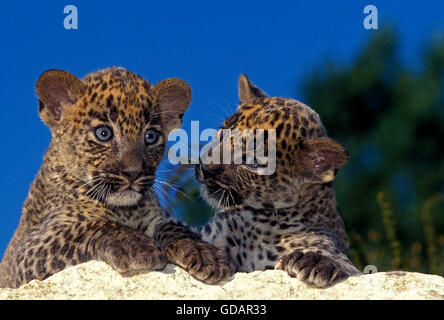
<point>287,220</point>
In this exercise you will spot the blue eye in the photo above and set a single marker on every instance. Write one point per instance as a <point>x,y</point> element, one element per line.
<point>151,136</point>
<point>103,133</point>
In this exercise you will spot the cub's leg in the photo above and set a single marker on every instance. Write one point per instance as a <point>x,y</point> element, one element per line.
<point>313,257</point>
<point>58,244</point>
<point>186,249</point>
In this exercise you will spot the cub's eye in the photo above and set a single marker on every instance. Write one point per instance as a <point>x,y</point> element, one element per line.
<point>151,136</point>
<point>255,165</point>
<point>103,133</point>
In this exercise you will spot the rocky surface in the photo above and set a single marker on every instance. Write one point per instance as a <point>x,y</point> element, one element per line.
<point>96,280</point>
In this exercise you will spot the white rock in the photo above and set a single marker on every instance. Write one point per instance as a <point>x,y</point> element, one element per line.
<point>97,280</point>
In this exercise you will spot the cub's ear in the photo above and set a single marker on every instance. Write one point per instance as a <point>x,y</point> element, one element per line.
<point>57,89</point>
<point>320,159</point>
<point>248,92</point>
<point>173,96</point>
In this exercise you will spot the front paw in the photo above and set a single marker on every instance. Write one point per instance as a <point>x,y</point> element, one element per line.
<point>202,260</point>
<point>133,253</point>
<point>314,269</point>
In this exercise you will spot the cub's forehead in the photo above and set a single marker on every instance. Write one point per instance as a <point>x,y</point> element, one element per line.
<point>117,95</point>
<point>119,84</point>
<point>115,77</point>
<point>291,119</point>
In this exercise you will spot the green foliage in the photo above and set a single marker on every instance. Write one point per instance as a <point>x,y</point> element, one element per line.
<point>391,120</point>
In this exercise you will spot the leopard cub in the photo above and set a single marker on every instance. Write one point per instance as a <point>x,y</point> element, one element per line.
<point>288,219</point>
<point>93,196</point>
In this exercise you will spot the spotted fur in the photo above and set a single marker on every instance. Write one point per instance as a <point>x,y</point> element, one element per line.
<point>93,199</point>
<point>287,220</point>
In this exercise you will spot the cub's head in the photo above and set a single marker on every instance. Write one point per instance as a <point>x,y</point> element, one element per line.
<point>109,129</point>
<point>296,148</point>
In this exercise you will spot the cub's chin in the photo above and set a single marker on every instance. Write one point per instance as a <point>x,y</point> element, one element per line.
<point>124,198</point>
<point>220,198</point>
<point>212,202</point>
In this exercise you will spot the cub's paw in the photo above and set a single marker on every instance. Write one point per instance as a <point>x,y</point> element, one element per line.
<point>200,259</point>
<point>133,253</point>
<point>314,269</point>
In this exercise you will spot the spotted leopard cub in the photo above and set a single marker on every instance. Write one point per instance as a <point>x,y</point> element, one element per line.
<point>93,197</point>
<point>287,220</point>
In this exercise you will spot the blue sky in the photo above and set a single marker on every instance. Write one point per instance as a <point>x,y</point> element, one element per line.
<point>207,43</point>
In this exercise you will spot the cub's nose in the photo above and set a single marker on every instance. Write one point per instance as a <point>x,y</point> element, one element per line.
<point>205,171</point>
<point>132,175</point>
<point>199,173</point>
